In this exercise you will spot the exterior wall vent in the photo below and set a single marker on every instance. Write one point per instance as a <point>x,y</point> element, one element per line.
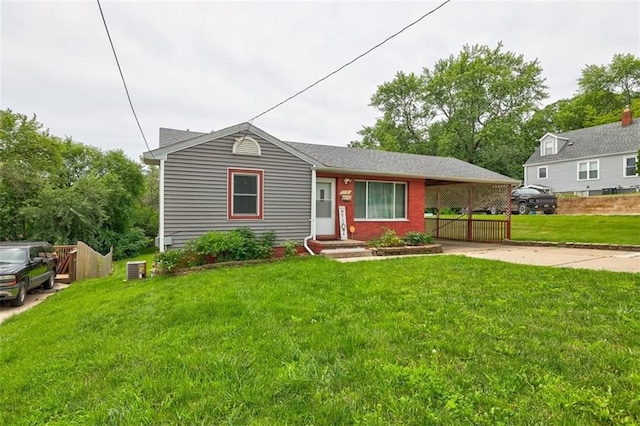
<point>246,146</point>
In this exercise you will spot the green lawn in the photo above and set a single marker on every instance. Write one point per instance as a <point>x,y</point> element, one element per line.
<point>440,339</point>
<point>582,229</point>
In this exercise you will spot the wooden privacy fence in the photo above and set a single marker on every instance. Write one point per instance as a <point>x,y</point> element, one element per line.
<point>91,264</point>
<point>78,262</point>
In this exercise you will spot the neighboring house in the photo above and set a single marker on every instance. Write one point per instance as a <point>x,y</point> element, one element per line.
<point>596,160</point>
<point>242,176</point>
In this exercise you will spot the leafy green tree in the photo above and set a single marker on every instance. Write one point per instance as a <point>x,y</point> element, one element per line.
<point>147,215</point>
<point>29,160</point>
<point>63,191</point>
<point>472,106</point>
<point>604,91</point>
<point>614,85</point>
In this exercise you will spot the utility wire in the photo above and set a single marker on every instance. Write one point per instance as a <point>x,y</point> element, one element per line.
<point>352,61</point>
<point>122,77</point>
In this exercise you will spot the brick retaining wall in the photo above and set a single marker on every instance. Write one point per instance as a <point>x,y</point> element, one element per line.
<point>612,205</point>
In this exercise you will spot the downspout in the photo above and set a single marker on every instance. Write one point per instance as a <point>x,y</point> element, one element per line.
<point>312,220</point>
<point>161,207</point>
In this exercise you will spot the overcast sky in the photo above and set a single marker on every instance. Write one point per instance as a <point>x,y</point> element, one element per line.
<point>207,65</point>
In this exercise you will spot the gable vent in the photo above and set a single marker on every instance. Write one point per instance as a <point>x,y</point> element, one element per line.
<point>246,146</point>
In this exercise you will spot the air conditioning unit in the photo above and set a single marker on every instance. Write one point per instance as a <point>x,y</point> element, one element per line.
<point>136,270</point>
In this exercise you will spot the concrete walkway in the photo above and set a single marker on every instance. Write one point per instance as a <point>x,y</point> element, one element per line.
<point>608,260</point>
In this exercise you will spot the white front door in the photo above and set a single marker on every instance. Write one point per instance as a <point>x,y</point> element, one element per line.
<point>325,206</point>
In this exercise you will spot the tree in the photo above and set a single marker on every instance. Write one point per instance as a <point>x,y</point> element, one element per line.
<point>604,91</point>
<point>614,85</point>
<point>472,106</point>
<point>63,191</point>
<point>147,215</point>
<point>29,160</point>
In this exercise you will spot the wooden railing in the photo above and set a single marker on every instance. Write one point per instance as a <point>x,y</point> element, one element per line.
<point>66,270</point>
<point>490,231</point>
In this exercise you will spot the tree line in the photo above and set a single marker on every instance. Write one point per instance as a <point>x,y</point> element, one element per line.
<point>62,191</point>
<point>484,106</point>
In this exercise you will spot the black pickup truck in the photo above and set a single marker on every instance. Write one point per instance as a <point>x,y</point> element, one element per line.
<point>23,267</point>
<point>525,200</point>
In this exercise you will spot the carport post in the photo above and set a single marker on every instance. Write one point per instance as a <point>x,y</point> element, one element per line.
<point>508,212</point>
<point>470,213</point>
<point>438,215</point>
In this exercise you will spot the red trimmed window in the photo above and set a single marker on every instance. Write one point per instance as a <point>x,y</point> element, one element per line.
<point>244,194</point>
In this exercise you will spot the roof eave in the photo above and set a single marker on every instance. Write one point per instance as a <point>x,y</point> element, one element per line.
<point>507,181</point>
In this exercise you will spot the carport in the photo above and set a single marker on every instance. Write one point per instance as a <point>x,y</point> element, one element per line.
<point>450,208</point>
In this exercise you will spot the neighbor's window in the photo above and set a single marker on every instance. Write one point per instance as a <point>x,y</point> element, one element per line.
<point>542,172</point>
<point>588,170</point>
<point>244,194</point>
<point>630,166</point>
<point>548,147</point>
<point>380,200</point>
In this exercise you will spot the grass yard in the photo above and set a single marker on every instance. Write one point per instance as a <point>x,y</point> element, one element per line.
<point>581,229</point>
<point>440,339</point>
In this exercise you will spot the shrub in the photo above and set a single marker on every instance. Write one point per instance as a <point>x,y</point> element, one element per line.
<point>222,246</point>
<point>168,261</point>
<point>291,248</point>
<point>125,244</point>
<point>388,239</point>
<point>214,246</point>
<point>417,239</point>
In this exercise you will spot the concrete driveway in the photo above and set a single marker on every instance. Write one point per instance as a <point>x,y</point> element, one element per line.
<point>608,260</point>
<point>32,299</point>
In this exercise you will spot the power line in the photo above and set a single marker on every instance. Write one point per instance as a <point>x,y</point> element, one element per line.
<point>122,77</point>
<point>352,61</point>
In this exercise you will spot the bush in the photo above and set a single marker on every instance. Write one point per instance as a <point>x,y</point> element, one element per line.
<point>391,239</point>
<point>168,261</point>
<point>417,239</point>
<point>291,248</point>
<point>388,239</point>
<point>125,245</point>
<point>214,246</point>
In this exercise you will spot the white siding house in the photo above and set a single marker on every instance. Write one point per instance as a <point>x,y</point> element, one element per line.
<point>595,160</point>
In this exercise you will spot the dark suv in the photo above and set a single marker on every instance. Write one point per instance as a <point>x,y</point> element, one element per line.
<point>525,200</point>
<point>23,267</point>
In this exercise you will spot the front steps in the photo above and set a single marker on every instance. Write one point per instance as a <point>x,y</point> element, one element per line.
<point>340,249</point>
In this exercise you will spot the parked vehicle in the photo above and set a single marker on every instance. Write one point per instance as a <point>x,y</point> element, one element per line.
<point>23,267</point>
<point>525,200</point>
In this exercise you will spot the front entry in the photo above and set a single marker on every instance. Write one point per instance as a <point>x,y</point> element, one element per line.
<point>325,207</point>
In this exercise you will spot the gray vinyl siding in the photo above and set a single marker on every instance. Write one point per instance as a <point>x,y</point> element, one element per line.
<point>196,191</point>
<point>563,176</point>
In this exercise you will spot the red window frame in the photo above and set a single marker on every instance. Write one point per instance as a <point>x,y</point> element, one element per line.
<point>254,172</point>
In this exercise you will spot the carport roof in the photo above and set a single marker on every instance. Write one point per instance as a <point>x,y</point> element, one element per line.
<point>342,159</point>
<point>377,162</point>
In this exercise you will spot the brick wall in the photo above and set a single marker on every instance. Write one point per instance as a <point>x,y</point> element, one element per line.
<point>368,229</point>
<point>612,205</point>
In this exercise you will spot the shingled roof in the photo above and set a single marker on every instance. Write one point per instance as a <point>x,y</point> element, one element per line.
<point>607,139</point>
<point>342,159</point>
<point>373,161</point>
<point>171,136</point>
